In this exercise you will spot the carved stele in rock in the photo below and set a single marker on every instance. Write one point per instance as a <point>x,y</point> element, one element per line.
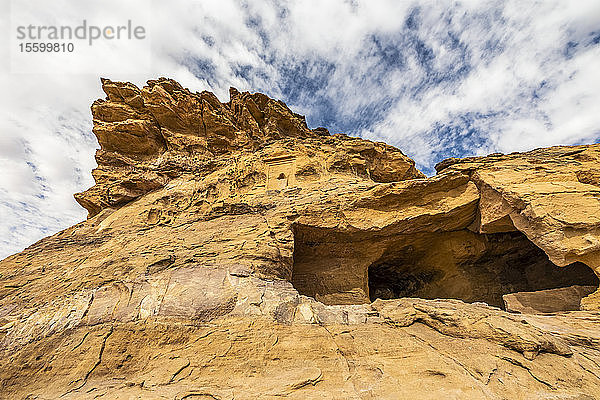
<point>281,171</point>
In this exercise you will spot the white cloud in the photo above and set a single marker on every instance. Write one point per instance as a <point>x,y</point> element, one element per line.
<point>532,43</point>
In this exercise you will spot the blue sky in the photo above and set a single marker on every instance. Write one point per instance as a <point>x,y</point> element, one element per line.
<point>435,79</point>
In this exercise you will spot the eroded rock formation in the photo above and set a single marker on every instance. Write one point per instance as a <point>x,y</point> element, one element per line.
<point>232,252</point>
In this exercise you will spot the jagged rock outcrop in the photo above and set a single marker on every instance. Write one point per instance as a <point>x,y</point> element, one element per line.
<point>551,195</point>
<point>148,137</point>
<point>232,252</point>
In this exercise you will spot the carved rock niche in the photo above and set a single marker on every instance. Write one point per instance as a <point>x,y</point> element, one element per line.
<point>281,171</point>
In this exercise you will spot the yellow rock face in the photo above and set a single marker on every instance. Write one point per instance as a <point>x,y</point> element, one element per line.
<point>232,252</point>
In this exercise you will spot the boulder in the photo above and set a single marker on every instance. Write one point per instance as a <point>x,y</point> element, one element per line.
<point>547,301</point>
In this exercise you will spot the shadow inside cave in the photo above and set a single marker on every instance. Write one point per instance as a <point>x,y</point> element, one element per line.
<point>352,268</point>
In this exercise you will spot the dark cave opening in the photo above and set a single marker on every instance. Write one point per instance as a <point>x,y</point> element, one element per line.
<point>470,267</point>
<point>343,268</point>
<point>386,282</point>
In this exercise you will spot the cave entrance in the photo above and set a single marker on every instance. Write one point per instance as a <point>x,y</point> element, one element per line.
<point>342,268</point>
<point>470,267</point>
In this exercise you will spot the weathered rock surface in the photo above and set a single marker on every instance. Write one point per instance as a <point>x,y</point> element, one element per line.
<point>551,195</point>
<point>151,135</point>
<point>232,252</point>
<point>547,301</point>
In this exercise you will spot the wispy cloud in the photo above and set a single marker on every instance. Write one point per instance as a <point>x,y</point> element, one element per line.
<point>436,79</point>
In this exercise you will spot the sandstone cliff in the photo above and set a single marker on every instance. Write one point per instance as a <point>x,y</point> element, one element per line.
<point>232,252</point>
